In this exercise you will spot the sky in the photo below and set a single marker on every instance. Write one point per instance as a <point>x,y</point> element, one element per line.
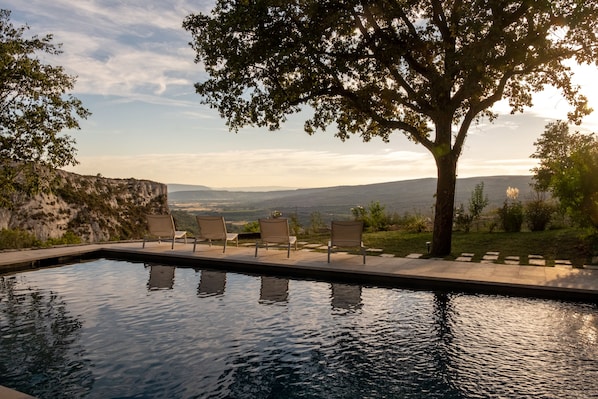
<point>135,72</point>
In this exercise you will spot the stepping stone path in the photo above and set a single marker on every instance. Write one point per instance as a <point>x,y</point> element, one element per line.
<point>465,257</point>
<point>562,263</point>
<point>536,260</point>
<point>490,257</point>
<point>512,260</point>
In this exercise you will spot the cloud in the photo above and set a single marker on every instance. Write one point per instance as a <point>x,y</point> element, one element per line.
<point>287,167</point>
<point>134,49</point>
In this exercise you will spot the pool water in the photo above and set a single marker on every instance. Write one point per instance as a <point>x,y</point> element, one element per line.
<point>116,329</point>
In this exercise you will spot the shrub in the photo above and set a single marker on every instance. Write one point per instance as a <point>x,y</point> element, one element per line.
<point>463,220</point>
<point>538,214</point>
<point>67,238</point>
<point>374,218</point>
<point>415,223</point>
<point>16,239</point>
<point>511,213</point>
<point>252,227</point>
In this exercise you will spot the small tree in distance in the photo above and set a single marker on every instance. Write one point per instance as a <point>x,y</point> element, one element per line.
<point>477,203</point>
<point>427,68</point>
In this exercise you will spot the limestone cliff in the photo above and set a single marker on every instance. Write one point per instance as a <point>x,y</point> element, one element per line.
<point>92,207</point>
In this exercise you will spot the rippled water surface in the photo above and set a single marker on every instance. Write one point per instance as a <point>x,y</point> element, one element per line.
<point>114,329</point>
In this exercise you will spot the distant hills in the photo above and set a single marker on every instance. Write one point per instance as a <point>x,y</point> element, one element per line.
<point>401,196</point>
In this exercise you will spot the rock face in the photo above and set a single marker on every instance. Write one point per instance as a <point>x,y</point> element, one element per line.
<point>94,208</point>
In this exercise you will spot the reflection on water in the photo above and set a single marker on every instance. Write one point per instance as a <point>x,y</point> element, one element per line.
<point>211,283</point>
<point>274,289</point>
<point>40,351</point>
<point>161,277</point>
<point>346,296</point>
<point>95,331</point>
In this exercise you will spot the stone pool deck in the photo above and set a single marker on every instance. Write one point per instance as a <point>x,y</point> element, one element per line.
<point>559,282</point>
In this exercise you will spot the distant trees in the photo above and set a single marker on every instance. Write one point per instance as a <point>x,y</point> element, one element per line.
<point>427,68</point>
<point>34,110</point>
<point>569,170</point>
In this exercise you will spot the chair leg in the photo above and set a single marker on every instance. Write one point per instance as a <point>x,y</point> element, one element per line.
<point>256,246</point>
<point>363,252</point>
<point>329,249</point>
<point>289,250</point>
<point>224,249</point>
<point>144,238</point>
<point>194,244</point>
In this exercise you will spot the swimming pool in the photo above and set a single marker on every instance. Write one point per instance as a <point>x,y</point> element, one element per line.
<point>108,329</point>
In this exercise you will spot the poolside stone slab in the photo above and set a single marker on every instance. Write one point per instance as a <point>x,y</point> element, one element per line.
<point>414,256</point>
<point>557,281</point>
<point>387,255</point>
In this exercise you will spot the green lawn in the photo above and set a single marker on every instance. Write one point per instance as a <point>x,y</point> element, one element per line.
<point>552,244</point>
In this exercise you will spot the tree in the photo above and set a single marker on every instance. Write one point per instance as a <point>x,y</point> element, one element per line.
<point>477,202</point>
<point>34,109</point>
<point>428,68</point>
<point>569,169</point>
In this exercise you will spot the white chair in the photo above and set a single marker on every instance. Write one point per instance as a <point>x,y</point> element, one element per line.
<point>276,231</point>
<point>346,234</point>
<point>214,228</point>
<point>162,226</point>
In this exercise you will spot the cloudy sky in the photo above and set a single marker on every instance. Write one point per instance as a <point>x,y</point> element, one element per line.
<point>135,73</point>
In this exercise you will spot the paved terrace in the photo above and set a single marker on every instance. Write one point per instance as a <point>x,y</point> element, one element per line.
<point>561,282</point>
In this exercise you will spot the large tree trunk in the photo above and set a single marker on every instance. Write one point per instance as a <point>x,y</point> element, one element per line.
<point>445,203</point>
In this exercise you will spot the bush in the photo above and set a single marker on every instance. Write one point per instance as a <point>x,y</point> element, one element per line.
<point>511,216</point>
<point>538,214</point>
<point>511,213</point>
<point>463,220</point>
<point>374,218</point>
<point>16,239</point>
<point>252,227</point>
<point>68,238</point>
<point>415,223</point>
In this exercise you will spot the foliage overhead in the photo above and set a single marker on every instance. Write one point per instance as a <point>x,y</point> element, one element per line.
<point>34,109</point>
<point>428,68</point>
<point>377,66</point>
<point>569,169</point>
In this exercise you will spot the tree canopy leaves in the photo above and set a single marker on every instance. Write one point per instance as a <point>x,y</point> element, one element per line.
<point>35,108</point>
<point>569,169</point>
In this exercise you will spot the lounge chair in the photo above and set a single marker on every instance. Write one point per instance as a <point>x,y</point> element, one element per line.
<point>275,231</point>
<point>214,228</point>
<point>346,234</point>
<point>162,226</point>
